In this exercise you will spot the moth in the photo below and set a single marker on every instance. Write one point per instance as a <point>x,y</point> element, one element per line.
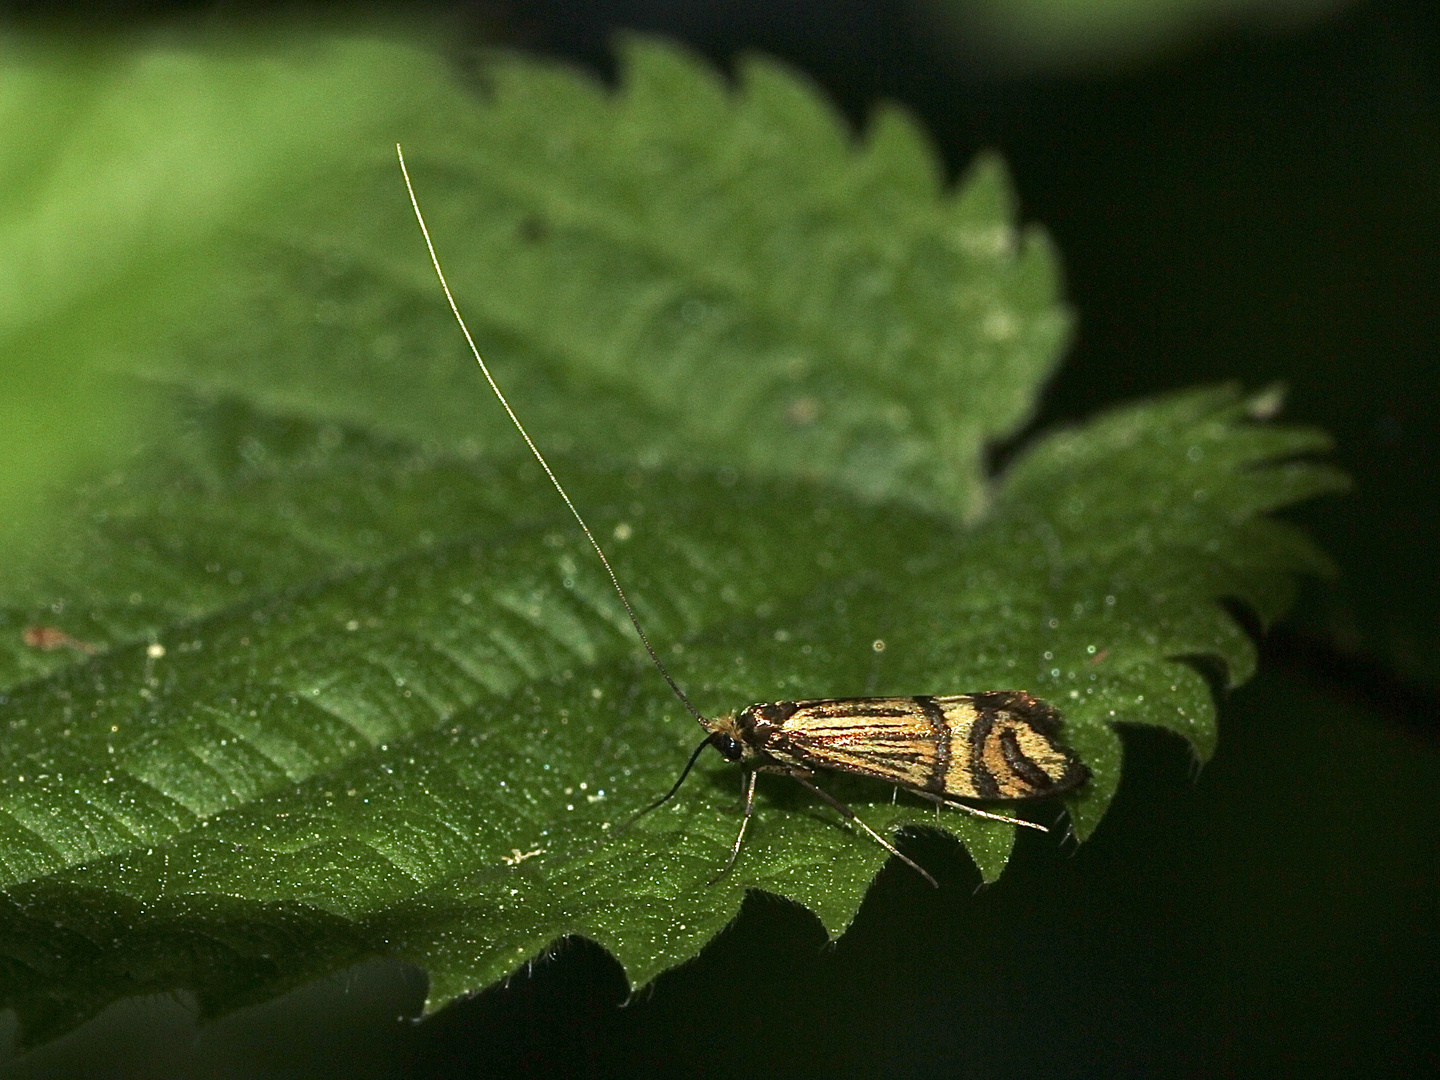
<point>996,745</point>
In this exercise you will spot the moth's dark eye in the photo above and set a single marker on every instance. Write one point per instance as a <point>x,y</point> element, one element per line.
<point>726,745</point>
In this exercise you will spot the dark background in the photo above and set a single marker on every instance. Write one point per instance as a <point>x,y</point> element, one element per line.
<point>1252,204</point>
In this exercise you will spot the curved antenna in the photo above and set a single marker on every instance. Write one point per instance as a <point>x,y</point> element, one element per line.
<point>475,351</point>
<point>663,799</point>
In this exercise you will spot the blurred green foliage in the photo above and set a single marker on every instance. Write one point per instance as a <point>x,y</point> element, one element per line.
<point>126,173</point>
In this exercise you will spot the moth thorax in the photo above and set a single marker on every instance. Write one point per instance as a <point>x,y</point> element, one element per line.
<point>757,723</point>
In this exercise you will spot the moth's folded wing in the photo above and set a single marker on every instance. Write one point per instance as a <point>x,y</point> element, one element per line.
<point>891,739</point>
<point>1006,745</point>
<point>997,745</point>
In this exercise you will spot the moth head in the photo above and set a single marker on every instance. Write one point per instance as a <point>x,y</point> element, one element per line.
<point>726,736</point>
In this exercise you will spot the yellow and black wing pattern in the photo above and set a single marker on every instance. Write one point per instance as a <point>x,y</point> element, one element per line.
<point>1003,744</point>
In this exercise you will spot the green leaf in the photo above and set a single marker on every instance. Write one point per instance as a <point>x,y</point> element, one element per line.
<point>725,278</point>
<point>336,675</point>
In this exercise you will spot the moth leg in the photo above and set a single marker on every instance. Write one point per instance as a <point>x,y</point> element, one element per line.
<point>849,815</point>
<point>941,800</point>
<point>749,785</point>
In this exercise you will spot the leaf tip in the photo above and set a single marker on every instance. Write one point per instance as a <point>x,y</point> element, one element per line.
<point>1267,403</point>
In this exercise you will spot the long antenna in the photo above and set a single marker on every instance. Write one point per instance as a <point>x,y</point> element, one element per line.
<point>475,351</point>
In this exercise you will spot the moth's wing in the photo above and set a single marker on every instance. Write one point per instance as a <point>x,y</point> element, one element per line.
<point>997,745</point>
<point>891,739</point>
<point>1005,744</point>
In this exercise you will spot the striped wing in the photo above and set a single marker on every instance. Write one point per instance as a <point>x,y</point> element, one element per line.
<point>998,745</point>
